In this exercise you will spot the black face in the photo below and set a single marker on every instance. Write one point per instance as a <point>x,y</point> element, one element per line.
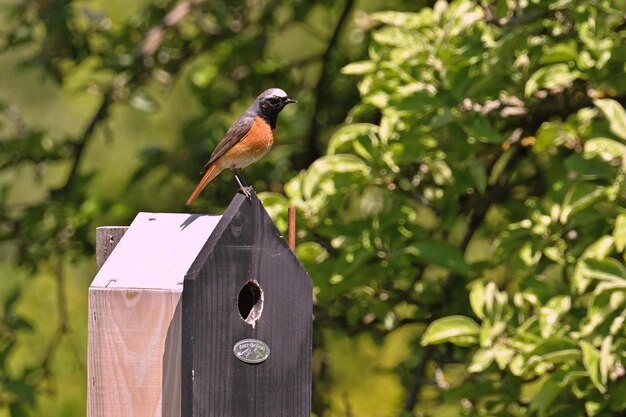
<point>274,104</point>
<point>270,103</point>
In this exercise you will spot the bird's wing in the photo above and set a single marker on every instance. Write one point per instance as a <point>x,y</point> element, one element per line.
<point>237,131</point>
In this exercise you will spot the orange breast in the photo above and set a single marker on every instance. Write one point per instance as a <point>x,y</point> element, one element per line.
<point>254,145</point>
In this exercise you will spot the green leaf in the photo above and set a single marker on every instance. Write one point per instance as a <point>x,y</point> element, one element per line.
<point>550,315</point>
<point>311,252</point>
<point>490,331</point>
<point>592,408</point>
<point>575,202</point>
<point>615,114</point>
<point>503,355</point>
<point>496,302</point>
<point>394,37</point>
<point>517,365</point>
<point>320,177</point>
<point>605,148</point>
<point>589,167</point>
<point>359,68</point>
<point>599,249</point>
<point>588,269</point>
<point>618,323</point>
<point>441,254</point>
<point>477,299</point>
<point>561,52</point>
<point>591,361</point>
<point>549,391</point>
<point>552,76</point>
<point>459,330</point>
<point>499,166</point>
<point>441,172</point>
<point>609,269</point>
<point>552,134</point>
<point>554,350</point>
<point>608,297</point>
<point>552,345</point>
<point>346,139</point>
<point>481,360</point>
<point>619,232</point>
<point>479,129</point>
<point>606,359</point>
<point>478,172</point>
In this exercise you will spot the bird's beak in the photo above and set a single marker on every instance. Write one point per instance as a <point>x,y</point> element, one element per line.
<point>290,100</point>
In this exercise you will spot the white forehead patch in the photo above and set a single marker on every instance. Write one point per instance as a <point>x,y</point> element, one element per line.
<point>277,92</point>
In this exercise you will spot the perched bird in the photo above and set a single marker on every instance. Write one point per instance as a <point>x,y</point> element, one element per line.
<point>247,140</point>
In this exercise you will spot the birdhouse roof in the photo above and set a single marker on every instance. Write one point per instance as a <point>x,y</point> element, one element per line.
<point>157,251</point>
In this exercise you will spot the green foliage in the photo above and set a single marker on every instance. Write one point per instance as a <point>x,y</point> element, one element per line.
<point>490,187</point>
<point>16,393</point>
<point>466,221</point>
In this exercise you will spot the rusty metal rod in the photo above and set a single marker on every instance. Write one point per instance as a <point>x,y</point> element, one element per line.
<point>291,227</point>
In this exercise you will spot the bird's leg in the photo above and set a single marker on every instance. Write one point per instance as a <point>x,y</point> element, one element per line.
<point>245,188</point>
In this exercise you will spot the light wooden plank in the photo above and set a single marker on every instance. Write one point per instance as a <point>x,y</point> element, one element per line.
<point>134,353</point>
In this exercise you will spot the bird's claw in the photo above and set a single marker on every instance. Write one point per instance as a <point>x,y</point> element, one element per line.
<point>247,191</point>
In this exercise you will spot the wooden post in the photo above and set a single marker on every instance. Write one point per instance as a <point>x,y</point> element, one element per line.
<point>107,238</point>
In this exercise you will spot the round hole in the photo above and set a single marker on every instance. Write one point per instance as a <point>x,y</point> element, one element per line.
<point>250,302</point>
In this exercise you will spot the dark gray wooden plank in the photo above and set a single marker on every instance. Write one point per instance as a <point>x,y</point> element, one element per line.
<point>246,246</point>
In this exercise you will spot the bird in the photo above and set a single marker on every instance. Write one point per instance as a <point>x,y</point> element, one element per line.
<point>247,140</point>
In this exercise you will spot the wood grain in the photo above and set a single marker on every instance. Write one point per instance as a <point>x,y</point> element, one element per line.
<point>134,353</point>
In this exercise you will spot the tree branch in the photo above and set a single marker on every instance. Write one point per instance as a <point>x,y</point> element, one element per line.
<point>155,36</point>
<point>78,148</point>
<point>321,87</point>
<point>418,377</point>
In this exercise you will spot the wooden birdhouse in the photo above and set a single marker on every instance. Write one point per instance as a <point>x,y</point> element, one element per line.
<point>201,316</point>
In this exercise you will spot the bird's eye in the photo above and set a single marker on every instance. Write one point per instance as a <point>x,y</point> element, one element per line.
<point>273,100</point>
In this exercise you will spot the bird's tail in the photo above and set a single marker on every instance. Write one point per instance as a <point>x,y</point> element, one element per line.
<point>211,173</point>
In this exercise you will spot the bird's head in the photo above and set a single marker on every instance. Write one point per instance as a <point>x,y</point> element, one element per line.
<point>271,102</point>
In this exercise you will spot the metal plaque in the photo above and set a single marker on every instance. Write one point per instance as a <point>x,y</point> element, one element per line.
<point>251,350</point>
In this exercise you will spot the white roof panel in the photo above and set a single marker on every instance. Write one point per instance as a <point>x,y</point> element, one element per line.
<point>156,251</point>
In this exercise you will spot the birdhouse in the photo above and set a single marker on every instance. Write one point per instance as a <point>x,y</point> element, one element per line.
<point>201,316</point>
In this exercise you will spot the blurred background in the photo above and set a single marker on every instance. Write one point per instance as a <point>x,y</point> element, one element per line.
<point>458,170</point>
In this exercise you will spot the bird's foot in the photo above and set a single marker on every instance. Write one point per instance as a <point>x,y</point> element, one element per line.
<point>247,191</point>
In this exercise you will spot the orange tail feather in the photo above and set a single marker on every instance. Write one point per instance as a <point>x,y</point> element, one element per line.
<point>211,173</point>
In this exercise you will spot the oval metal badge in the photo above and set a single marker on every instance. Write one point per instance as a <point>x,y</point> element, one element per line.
<point>251,350</point>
